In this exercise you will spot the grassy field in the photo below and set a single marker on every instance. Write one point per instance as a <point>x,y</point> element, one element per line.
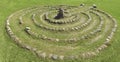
<point>10,52</point>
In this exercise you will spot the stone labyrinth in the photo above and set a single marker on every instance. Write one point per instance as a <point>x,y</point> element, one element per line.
<point>62,31</point>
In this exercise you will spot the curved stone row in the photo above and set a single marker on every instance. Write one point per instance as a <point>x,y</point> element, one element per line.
<point>71,19</point>
<point>113,29</point>
<point>19,43</point>
<point>29,10</point>
<point>109,37</point>
<point>106,43</point>
<point>109,16</point>
<point>86,36</point>
<point>38,53</point>
<point>53,56</point>
<point>63,29</point>
<point>99,28</point>
<point>58,22</point>
<point>13,36</point>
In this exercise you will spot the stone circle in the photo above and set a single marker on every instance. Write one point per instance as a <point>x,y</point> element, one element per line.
<point>77,32</point>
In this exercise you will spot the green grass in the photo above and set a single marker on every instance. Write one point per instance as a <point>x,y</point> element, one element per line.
<point>10,52</point>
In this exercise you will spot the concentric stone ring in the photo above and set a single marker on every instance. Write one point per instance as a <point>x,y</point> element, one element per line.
<point>62,32</point>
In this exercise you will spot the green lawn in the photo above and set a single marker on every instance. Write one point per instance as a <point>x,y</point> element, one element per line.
<point>10,52</point>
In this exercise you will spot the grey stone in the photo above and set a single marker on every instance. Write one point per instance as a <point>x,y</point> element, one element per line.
<point>82,4</point>
<point>43,55</point>
<point>34,49</point>
<point>27,28</point>
<point>54,57</point>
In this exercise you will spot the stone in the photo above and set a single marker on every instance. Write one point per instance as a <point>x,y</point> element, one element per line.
<point>76,28</point>
<point>94,6</point>
<point>63,29</point>
<point>38,52</point>
<point>73,28</point>
<point>45,16</point>
<point>82,4</point>
<point>114,29</point>
<point>107,39</point>
<point>98,30</point>
<point>90,7</point>
<point>103,46</point>
<point>83,55</point>
<point>44,37</point>
<point>115,25</point>
<point>8,22</point>
<point>43,55</point>
<point>99,48</point>
<point>72,57</point>
<point>28,47</point>
<point>57,40</point>
<point>93,53</point>
<point>50,55</point>
<point>97,51</point>
<point>27,28</point>
<point>16,39</point>
<point>86,55</point>
<point>34,49</point>
<point>61,57</point>
<point>20,20</point>
<point>54,57</point>
<point>107,43</point>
